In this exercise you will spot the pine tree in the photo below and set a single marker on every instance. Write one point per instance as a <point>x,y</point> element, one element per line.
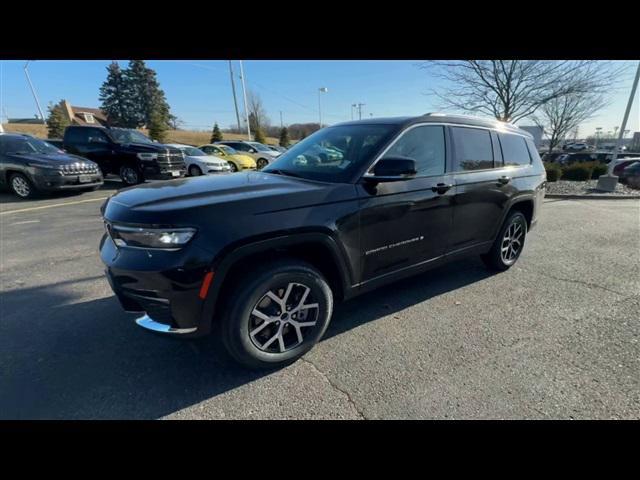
<point>158,125</point>
<point>147,97</point>
<point>57,121</point>
<point>258,136</point>
<point>284,137</point>
<point>116,98</point>
<point>216,134</point>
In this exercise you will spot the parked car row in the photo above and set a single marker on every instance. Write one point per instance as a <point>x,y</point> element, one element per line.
<point>87,154</point>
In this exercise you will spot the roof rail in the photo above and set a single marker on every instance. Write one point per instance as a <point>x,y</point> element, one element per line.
<point>471,117</point>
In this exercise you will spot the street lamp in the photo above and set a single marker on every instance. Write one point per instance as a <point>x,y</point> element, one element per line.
<point>33,90</point>
<point>598,129</point>
<point>321,90</point>
<point>609,181</point>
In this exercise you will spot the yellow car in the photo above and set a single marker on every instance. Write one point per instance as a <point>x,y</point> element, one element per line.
<point>237,160</point>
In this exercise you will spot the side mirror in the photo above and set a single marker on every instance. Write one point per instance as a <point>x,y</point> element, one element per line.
<point>393,169</point>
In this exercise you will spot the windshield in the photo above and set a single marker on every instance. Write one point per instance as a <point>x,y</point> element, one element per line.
<point>27,145</point>
<point>260,147</point>
<point>333,154</point>
<point>193,152</point>
<point>228,150</point>
<point>121,135</point>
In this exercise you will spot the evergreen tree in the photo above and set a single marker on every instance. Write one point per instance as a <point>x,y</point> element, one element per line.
<point>158,125</point>
<point>284,137</point>
<point>57,121</point>
<point>116,98</point>
<point>147,97</point>
<point>258,136</point>
<point>216,134</point>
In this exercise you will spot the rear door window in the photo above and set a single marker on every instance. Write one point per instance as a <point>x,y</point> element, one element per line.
<point>78,136</point>
<point>472,149</point>
<point>514,150</point>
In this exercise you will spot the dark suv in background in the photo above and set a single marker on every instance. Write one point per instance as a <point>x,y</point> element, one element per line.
<point>125,152</point>
<point>263,256</point>
<point>29,165</point>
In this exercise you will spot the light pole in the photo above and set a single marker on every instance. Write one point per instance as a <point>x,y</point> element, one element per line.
<point>235,101</point>
<point>33,90</point>
<point>246,106</point>
<point>360,105</point>
<point>353,106</point>
<point>608,182</point>
<point>320,91</point>
<point>598,129</point>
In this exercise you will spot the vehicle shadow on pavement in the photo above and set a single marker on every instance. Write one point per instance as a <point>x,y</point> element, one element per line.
<point>60,359</point>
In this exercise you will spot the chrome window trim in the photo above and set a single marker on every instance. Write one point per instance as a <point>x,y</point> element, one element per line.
<point>367,173</point>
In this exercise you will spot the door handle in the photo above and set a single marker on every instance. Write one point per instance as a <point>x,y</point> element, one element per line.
<point>504,180</point>
<point>441,188</point>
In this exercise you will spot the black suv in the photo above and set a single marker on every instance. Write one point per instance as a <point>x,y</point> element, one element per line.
<point>29,165</point>
<point>125,152</point>
<point>262,256</point>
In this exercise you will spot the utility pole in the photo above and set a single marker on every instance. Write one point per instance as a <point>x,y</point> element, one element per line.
<point>320,91</point>
<point>246,105</point>
<point>281,123</point>
<point>360,105</point>
<point>235,101</point>
<point>609,181</point>
<point>33,91</point>
<point>353,106</point>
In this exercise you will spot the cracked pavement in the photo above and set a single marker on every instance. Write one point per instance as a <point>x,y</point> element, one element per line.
<point>557,336</point>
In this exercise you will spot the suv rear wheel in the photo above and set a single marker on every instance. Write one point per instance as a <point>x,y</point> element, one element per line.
<point>509,243</point>
<point>277,314</point>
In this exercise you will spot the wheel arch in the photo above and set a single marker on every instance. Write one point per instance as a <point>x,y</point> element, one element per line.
<point>316,248</point>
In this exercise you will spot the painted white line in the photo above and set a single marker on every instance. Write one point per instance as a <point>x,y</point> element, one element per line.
<point>31,209</point>
<point>25,222</point>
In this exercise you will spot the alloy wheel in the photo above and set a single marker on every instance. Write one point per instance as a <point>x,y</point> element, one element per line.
<point>282,317</point>
<point>512,243</point>
<point>129,175</point>
<point>21,186</point>
<point>262,163</point>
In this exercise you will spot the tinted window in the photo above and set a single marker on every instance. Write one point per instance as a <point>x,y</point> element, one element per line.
<point>78,135</point>
<point>514,149</point>
<point>425,145</point>
<point>96,136</point>
<point>472,149</point>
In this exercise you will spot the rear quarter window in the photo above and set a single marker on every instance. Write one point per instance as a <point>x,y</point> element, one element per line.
<point>514,150</point>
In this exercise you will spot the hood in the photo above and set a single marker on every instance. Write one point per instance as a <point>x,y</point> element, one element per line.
<point>150,147</point>
<point>219,198</point>
<point>60,159</point>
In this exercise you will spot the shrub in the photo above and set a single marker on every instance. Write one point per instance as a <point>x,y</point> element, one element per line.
<point>577,172</point>
<point>554,172</point>
<point>598,169</point>
<point>634,182</point>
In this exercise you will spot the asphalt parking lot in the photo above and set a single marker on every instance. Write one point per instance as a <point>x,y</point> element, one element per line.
<point>557,336</point>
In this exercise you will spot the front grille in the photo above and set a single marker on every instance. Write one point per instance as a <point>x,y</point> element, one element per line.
<point>79,169</point>
<point>172,160</point>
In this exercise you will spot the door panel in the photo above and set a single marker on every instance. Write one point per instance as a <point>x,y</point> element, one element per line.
<point>403,223</point>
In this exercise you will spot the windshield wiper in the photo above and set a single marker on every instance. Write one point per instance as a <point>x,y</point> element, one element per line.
<point>279,171</point>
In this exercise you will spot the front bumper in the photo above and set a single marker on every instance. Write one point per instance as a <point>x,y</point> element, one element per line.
<point>67,182</point>
<point>157,283</point>
<point>157,173</point>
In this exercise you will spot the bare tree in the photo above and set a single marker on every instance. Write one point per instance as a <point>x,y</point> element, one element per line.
<point>258,119</point>
<point>511,90</point>
<point>561,115</point>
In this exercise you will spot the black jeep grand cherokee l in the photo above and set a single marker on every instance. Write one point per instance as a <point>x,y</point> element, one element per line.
<point>263,256</point>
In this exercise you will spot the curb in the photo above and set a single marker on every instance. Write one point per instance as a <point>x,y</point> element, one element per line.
<point>591,197</point>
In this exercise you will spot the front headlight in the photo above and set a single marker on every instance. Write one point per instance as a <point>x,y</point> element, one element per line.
<point>166,238</point>
<point>147,156</point>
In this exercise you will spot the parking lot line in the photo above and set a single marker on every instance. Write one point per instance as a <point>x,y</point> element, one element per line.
<point>31,209</point>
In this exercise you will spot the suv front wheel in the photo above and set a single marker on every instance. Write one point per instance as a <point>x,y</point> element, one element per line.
<point>509,243</point>
<point>277,314</point>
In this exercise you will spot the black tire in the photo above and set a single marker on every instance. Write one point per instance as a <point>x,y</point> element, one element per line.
<point>131,175</point>
<point>194,171</point>
<point>234,167</point>
<point>250,293</point>
<point>496,258</point>
<point>261,163</point>
<point>22,186</point>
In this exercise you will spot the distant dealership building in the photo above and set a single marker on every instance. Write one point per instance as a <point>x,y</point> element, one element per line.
<point>537,133</point>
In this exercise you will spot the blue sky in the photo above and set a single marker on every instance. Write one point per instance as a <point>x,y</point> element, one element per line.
<point>199,92</point>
